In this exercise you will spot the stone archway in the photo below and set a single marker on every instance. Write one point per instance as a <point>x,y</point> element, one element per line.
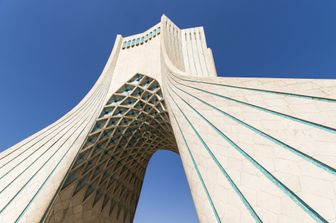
<point>104,181</point>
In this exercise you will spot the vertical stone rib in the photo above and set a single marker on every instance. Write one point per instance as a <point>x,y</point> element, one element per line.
<point>253,149</point>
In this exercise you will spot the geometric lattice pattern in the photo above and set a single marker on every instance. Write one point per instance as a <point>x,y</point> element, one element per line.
<point>253,149</point>
<point>111,164</point>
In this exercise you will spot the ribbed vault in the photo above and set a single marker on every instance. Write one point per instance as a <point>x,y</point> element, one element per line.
<point>104,182</point>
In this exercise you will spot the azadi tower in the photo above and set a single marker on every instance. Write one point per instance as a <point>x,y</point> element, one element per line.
<point>253,149</point>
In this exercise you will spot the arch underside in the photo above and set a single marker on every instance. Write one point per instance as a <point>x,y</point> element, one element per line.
<point>253,149</point>
<point>104,181</point>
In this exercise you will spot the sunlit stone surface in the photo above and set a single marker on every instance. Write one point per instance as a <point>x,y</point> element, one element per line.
<point>253,149</point>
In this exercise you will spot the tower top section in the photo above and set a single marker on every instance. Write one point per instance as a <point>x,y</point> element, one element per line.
<point>184,49</point>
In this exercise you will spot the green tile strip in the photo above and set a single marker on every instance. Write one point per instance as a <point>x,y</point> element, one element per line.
<point>226,175</point>
<point>263,91</point>
<point>33,152</point>
<point>198,172</point>
<point>265,172</point>
<point>308,158</point>
<point>309,123</point>
<point>53,171</point>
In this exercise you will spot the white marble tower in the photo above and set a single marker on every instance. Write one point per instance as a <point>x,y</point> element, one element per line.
<point>253,149</point>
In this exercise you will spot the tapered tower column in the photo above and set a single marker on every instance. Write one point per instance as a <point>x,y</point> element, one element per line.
<point>253,149</point>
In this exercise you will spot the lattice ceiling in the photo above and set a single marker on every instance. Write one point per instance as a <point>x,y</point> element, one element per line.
<point>111,164</point>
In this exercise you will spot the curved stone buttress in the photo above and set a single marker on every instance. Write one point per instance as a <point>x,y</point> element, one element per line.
<point>104,183</point>
<point>253,149</point>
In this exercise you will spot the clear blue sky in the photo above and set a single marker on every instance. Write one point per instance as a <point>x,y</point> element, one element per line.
<point>51,53</point>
